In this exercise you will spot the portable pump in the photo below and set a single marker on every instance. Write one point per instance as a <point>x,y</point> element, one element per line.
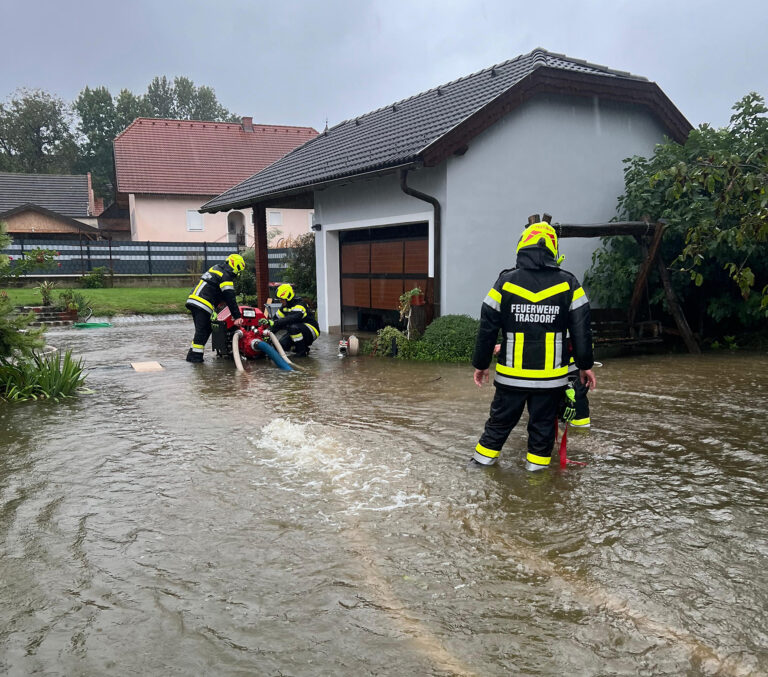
<point>224,329</point>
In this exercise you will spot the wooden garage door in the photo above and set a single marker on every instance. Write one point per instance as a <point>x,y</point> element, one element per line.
<point>378,265</point>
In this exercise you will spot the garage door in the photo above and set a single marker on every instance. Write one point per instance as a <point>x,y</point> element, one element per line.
<point>379,264</point>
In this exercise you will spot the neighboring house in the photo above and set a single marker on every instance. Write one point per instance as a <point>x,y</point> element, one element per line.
<point>38,206</point>
<point>434,190</point>
<point>166,169</point>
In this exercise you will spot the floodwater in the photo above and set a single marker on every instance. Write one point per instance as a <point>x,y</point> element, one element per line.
<point>198,521</point>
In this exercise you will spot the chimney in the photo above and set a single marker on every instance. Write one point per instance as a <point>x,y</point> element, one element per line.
<point>247,124</point>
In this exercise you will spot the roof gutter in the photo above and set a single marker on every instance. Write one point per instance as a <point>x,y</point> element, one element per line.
<point>437,224</point>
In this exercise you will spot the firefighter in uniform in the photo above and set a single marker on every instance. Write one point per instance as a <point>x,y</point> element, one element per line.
<point>534,305</point>
<point>297,319</point>
<point>216,284</point>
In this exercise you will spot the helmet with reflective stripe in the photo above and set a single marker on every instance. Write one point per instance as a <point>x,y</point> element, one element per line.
<point>236,262</point>
<point>539,232</point>
<point>285,292</point>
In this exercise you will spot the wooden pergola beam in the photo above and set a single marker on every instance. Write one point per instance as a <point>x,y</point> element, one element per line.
<point>642,274</point>
<point>604,229</point>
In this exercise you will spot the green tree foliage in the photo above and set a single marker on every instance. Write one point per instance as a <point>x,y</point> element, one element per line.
<point>35,134</point>
<point>712,193</point>
<point>102,118</point>
<point>301,270</point>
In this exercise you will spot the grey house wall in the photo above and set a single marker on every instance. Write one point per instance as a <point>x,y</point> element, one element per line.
<point>558,154</point>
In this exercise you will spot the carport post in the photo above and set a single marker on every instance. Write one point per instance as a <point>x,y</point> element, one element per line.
<point>260,247</point>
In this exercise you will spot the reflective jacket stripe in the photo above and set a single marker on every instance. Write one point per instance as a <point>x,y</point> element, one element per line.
<point>493,299</point>
<point>535,297</point>
<point>229,285</point>
<point>579,299</point>
<point>549,350</point>
<point>199,302</point>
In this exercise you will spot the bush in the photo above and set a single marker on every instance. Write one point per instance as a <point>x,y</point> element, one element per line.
<point>42,377</point>
<point>450,338</point>
<point>96,279</point>
<point>245,283</point>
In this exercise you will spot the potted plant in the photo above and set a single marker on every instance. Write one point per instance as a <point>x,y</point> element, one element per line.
<point>414,297</point>
<point>45,289</point>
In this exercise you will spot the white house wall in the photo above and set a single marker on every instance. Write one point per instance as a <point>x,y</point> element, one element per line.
<point>555,154</point>
<point>369,203</point>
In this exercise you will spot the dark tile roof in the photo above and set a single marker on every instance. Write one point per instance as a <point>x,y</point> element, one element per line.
<point>400,133</point>
<point>64,194</point>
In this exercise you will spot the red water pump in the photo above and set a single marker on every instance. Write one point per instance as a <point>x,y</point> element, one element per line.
<point>224,328</point>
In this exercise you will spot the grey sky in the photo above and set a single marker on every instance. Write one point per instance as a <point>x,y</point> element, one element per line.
<point>298,62</point>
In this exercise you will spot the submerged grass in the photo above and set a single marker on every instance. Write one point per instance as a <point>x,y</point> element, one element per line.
<point>38,377</point>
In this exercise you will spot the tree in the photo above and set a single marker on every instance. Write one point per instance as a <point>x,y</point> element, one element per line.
<point>711,191</point>
<point>103,117</point>
<point>98,126</point>
<point>301,270</point>
<point>35,134</point>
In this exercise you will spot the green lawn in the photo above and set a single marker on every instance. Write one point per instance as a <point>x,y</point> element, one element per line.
<point>119,301</point>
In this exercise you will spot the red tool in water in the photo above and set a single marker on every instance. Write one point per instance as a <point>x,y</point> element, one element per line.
<point>564,461</point>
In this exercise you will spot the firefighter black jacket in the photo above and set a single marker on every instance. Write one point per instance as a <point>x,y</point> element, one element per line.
<point>216,284</point>
<point>295,312</point>
<point>534,306</point>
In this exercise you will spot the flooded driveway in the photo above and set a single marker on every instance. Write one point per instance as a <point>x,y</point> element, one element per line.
<point>198,521</point>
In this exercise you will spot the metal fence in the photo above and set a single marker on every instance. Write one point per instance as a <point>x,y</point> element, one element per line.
<point>140,258</point>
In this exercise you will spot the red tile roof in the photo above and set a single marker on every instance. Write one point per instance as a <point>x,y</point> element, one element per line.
<point>185,157</point>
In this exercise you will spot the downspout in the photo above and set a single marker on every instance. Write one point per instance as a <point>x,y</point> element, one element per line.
<point>437,224</point>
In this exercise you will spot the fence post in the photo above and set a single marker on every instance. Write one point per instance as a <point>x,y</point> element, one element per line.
<point>82,257</point>
<point>149,256</point>
<point>111,265</point>
<point>88,253</point>
<point>21,242</point>
<point>205,256</point>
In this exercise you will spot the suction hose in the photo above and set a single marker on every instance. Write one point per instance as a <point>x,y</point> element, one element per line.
<point>273,354</point>
<point>281,351</point>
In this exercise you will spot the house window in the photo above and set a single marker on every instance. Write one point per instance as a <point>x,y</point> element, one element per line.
<point>275,218</point>
<point>194,220</point>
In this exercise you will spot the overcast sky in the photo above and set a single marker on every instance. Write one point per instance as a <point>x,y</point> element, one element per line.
<point>300,62</point>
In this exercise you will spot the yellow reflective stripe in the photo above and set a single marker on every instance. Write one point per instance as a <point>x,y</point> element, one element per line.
<point>280,313</point>
<point>302,309</point>
<point>218,272</point>
<point>535,297</point>
<point>517,362</point>
<point>549,349</point>
<point>226,284</point>
<point>531,373</point>
<point>297,337</point>
<point>197,345</point>
<point>488,453</point>
<point>202,300</point>
<point>538,460</point>
<point>580,421</point>
<point>577,294</point>
<point>197,289</point>
<point>495,294</point>
<point>315,331</point>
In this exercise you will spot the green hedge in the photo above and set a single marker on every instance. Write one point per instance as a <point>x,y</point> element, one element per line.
<point>450,338</point>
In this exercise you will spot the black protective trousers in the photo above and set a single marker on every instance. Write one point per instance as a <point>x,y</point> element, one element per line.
<point>202,320</point>
<point>290,338</point>
<point>506,410</point>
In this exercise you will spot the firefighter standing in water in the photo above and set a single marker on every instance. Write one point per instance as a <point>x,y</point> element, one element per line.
<point>534,305</point>
<point>297,319</point>
<point>216,284</point>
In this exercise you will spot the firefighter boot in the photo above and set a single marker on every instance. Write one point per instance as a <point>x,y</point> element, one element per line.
<point>192,356</point>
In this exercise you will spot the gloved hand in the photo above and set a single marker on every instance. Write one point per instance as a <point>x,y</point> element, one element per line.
<point>265,322</point>
<point>568,405</point>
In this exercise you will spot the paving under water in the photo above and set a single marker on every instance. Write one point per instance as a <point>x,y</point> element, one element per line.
<point>199,521</point>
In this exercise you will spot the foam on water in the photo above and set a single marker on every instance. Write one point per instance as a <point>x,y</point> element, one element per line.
<point>346,470</point>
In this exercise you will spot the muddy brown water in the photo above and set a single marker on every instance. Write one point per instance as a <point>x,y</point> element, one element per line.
<point>197,521</point>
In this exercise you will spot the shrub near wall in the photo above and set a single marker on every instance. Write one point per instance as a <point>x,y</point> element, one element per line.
<point>450,338</point>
